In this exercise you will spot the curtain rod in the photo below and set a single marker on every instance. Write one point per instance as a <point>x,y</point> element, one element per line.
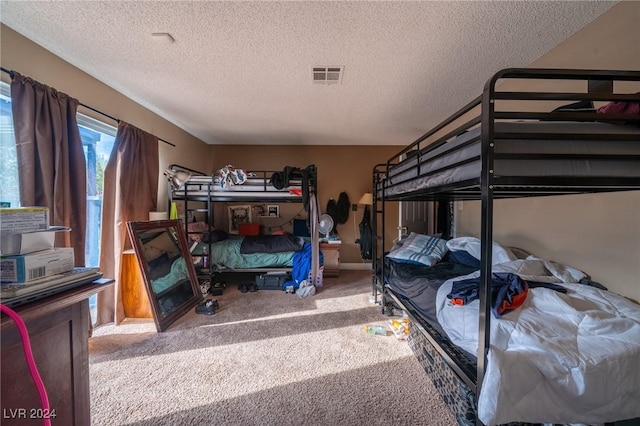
<point>117,120</point>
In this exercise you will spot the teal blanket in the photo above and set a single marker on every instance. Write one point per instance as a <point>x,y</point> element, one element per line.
<point>226,253</point>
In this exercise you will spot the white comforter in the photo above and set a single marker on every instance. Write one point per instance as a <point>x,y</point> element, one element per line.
<point>561,357</point>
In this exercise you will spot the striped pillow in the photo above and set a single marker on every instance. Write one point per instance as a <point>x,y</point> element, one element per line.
<point>420,249</point>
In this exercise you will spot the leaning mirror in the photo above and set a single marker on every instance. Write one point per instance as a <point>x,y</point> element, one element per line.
<point>167,269</point>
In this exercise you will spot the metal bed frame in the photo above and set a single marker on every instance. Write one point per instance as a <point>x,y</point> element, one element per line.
<point>199,197</point>
<point>487,111</point>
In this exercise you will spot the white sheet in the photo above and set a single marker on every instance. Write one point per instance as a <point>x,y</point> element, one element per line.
<point>559,358</point>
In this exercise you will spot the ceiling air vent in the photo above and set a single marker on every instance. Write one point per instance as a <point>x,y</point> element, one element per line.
<point>327,75</point>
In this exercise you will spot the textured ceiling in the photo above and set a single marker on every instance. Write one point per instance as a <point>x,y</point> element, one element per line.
<point>239,72</point>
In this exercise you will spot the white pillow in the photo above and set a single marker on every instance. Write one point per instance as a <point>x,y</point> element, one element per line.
<point>471,245</point>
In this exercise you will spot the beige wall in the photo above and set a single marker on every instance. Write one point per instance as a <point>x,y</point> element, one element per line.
<point>599,234</point>
<point>340,168</point>
<point>29,59</point>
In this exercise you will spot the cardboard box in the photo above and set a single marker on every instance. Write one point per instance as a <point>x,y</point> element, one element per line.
<point>29,242</point>
<point>27,267</point>
<point>23,219</point>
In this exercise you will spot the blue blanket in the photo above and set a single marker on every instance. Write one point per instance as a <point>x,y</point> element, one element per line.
<point>508,291</point>
<point>301,266</point>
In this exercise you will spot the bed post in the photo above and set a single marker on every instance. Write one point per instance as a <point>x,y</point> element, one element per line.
<point>374,245</point>
<point>486,232</point>
<point>311,181</point>
<point>383,231</point>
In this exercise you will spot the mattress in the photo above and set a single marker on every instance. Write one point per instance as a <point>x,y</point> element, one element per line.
<point>527,148</point>
<point>204,186</point>
<point>228,254</point>
<point>419,285</point>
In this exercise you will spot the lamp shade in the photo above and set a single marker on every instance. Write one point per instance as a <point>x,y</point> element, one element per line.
<point>177,178</point>
<point>366,199</point>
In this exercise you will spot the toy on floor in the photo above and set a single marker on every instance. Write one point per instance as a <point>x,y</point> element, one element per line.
<point>207,307</point>
<point>400,328</point>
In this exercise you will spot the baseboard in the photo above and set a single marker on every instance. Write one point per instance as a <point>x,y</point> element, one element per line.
<point>355,266</point>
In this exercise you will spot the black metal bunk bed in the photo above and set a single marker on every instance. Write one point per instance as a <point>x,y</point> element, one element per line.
<point>505,144</point>
<point>198,193</point>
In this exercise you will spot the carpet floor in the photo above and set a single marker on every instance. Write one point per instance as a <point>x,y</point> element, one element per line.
<point>264,358</point>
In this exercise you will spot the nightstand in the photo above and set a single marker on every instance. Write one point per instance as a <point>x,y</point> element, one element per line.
<point>331,257</point>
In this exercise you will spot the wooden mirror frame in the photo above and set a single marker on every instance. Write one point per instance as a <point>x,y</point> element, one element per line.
<point>135,230</point>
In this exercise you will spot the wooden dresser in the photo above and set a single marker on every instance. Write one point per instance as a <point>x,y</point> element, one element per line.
<point>59,331</point>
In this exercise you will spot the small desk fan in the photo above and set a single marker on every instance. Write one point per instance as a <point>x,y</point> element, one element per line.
<point>325,225</point>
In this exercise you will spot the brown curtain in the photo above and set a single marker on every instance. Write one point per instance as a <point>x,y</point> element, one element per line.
<point>130,193</point>
<point>51,163</point>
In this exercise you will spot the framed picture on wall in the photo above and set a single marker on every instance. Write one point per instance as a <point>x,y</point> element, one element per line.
<point>260,210</point>
<point>237,216</point>
<point>273,211</point>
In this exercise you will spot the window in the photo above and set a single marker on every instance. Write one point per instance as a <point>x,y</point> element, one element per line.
<point>9,192</point>
<point>97,141</point>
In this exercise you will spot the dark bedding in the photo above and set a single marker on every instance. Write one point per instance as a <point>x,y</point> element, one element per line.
<point>419,284</point>
<point>270,244</point>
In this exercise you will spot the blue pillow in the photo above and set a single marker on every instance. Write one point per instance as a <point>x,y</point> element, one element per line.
<point>420,249</point>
